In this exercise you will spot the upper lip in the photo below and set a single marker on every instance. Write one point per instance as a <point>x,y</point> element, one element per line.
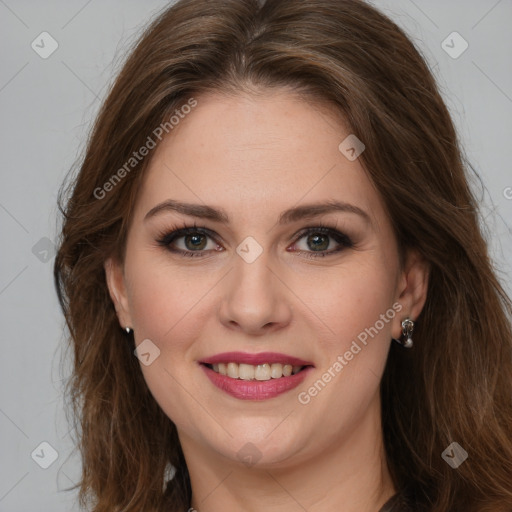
<point>255,359</point>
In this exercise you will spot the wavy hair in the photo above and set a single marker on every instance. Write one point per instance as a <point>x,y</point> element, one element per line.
<point>455,385</point>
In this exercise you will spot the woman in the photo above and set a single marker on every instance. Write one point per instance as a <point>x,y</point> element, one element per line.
<point>270,196</point>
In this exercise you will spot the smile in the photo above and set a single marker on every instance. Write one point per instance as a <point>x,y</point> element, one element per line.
<point>255,376</point>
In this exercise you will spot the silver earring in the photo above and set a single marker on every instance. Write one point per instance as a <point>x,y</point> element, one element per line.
<point>128,330</point>
<point>407,328</point>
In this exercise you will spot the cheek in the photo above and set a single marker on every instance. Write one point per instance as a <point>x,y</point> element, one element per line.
<point>349,300</point>
<point>163,297</point>
<point>358,311</point>
<point>165,304</point>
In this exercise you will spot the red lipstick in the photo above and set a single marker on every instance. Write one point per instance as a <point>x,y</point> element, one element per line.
<point>255,389</point>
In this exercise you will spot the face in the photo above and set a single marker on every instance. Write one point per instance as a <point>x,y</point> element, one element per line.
<point>289,265</point>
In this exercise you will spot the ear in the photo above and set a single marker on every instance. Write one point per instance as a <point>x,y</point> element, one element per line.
<point>117,289</point>
<point>412,289</point>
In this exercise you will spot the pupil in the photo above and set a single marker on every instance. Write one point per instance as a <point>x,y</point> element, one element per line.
<point>317,238</point>
<point>196,241</point>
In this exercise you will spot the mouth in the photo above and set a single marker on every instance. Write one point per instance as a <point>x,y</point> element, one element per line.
<point>255,376</point>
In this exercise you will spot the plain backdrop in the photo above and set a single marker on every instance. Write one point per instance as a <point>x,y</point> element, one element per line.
<point>47,106</point>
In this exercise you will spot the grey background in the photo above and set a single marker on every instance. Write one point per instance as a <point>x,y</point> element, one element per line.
<point>47,106</point>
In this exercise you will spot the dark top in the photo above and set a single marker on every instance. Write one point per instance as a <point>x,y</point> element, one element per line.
<point>397,503</point>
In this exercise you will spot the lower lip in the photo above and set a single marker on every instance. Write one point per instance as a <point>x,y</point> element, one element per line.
<point>255,389</point>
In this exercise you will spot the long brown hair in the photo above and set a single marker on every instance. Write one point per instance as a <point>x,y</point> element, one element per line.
<point>454,385</point>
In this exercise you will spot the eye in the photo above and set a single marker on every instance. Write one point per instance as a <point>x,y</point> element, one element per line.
<point>188,241</point>
<point>319,239</point>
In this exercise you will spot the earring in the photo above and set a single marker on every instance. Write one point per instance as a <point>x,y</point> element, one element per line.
<point>407,328</point>
<point>128,330</point>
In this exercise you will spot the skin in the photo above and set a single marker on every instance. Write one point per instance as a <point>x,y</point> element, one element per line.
<point>255,156</point>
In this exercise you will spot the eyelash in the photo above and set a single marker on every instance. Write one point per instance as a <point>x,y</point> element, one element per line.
<point>166,238</point>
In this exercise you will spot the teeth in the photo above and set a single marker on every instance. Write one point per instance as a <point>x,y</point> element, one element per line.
<point>246,371</point>
<point>233,371</point>
<point>276,370</point>
<point>262,372</point>
<point>259,372</point>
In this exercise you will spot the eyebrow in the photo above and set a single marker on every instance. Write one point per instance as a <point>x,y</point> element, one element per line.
<point>294,214</point>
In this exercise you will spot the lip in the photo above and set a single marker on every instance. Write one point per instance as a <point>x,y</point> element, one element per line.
<point>255,359</point>
<point>255,389</point>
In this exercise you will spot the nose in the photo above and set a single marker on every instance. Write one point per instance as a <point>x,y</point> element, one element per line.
<point>255,299</point>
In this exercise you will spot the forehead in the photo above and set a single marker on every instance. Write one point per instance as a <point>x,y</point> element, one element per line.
<point>255,154</point>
